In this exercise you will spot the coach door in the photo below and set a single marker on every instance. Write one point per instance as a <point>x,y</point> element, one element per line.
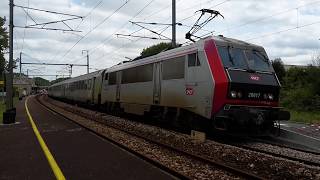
<point>92,82</point>
<point>118,85</point>
<point>193,72</point>
<point>157,83</point>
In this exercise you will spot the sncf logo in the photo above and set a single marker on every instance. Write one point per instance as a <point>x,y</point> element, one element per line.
<point>255,78</point>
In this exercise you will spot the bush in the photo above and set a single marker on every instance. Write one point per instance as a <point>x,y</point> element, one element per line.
<point>279,69</point>
<point>301,89</point>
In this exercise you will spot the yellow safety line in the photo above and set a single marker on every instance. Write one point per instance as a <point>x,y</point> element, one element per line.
<point>54,166</point>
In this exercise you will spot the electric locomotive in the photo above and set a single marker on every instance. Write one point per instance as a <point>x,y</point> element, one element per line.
<point>247,88</point>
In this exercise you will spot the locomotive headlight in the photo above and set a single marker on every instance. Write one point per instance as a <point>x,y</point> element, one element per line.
<point>233,94</point>
<point>270,96</point>
<point>265,96</point>
<point>239,94</point>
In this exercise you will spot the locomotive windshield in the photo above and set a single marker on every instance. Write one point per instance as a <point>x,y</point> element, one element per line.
<point>244,59</point>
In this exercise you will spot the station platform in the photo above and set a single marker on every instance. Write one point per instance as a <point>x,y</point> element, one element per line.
<point>312,130</point>
<point>78,153</point>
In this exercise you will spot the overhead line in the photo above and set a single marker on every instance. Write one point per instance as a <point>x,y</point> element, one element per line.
<point>51,22</point>
<point>285,30</point>
<point>108,37</point>
<point>24,31</point>
<point>266,17</point>
<point>263,18</point>
<point>53,12</point>
<point>67,40</point>
<point>97,5</point>
<point>51,29</point>
<point>123,46</point>
<point>68,51</point>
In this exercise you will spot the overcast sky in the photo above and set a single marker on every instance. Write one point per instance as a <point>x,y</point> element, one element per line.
<point>288,29</point>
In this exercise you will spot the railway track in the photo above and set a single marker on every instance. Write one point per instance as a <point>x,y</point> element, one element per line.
<point>243,159</point>
<point>220,165</point>
<point>285,144</point>
<point>291,154</point>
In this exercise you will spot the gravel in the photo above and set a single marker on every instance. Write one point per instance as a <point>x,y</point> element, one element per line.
<point>260,164</point>
<point>284,151</point>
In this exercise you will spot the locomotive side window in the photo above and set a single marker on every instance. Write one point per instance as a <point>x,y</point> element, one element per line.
<point>193,60</point>
<point>173,68</point>
<point>137,74</point>
<point>106,76</point>
<point>113,78</point>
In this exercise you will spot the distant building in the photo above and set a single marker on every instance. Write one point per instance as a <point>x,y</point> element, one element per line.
<point>23,84</point>
<point>288,66</point>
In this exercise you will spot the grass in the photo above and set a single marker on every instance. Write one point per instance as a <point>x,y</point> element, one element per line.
<point>3,107</point>
<point>305,117</point>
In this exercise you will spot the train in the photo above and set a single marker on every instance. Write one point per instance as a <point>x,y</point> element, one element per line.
<point>216,83</point>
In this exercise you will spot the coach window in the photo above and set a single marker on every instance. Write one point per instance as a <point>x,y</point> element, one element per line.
<point>106,76</point>
<point>173,68</point>
<point>85,83</point>
<point>137,74</point>
<point>193,60</point>
<point>89,83</point>
<point>113,78</point>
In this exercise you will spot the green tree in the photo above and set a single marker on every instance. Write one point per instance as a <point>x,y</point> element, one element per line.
<point>301,90</point>
<point>155,49</point>
<point>59,80</point>
<point>279,68</point>
<point>41,82</point>
<point>3,44</point>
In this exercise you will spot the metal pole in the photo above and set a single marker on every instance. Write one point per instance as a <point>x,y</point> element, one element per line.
<point>87,62</point>
<point>20,62</point>
<point>27,73</point>
<point>173,23</point>
<point>87,51</point>
<point>9,80</point>
<point>71,69</point>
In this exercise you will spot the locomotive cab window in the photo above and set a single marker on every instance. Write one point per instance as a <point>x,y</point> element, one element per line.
<point>193,60</point>
<point>106,76</point>
<point>257,61</point>
<point>233,57</point>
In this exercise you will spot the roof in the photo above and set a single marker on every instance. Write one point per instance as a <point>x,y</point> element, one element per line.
<point>78,78</point>
<point>166,55</point>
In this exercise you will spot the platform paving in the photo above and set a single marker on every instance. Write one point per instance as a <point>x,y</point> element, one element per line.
<point>312,130</point>
<point>21,157</point>
<point>79,153</point>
